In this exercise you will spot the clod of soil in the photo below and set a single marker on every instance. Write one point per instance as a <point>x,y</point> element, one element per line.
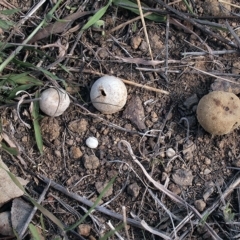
<point>90,162</point>
<point>219,112</point>
<point>108,94</point>
<point>54,102</point>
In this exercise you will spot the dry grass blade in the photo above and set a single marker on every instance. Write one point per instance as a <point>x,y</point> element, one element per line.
<point>144,28</point>
<point>160,187</point>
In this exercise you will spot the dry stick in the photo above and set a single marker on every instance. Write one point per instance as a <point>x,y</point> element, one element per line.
<point>194,23</point>
<point>144,28</point>
<point>160,187</point>
<point>228,191</point>
<point>212,75</point>
<point>127,23</point>
<point>128,54</point>
<point>125,222</point>
<point>30,217</point>
<point>130,83</point>
<point>166,46</point>
<point>89,203</point>
<point>234,34</point>
<point>109,124</point>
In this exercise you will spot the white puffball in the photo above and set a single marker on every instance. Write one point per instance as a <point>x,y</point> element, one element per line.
<point>92,142</point>
<point>170,152</point>
<point>54,101</point>
<point>108,94</point>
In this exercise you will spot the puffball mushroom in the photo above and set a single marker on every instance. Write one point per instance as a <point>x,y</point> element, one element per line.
<point>108,94</point>
<point>54,101</point>
<point>92,142</point>
<point>219,112</point>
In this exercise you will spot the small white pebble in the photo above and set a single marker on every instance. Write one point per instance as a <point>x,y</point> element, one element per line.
<point>92,142</point>
<point>170,152</point>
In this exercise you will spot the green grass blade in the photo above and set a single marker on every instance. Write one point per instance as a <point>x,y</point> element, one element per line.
<point>34,232</point>
<point>93,206</point>
<point>126,4</point>
<point>11,150</point>
<point>188,6</point>
<point>19,48</point>
<point>111,232</point>
<point>8,12</point>
<point>36,125</point>
<point>13,92</point>
<point>96,16</point>
<point>22,78</point>
<point>43,225</point>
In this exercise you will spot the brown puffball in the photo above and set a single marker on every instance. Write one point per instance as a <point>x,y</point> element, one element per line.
<point>219,112</point>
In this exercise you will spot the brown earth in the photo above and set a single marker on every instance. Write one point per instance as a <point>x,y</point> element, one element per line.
<point>194,168</point>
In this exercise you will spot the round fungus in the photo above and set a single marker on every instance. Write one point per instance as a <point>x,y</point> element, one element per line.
<point>219,112</point>
<point>54,101</point>
<point>108,94</point>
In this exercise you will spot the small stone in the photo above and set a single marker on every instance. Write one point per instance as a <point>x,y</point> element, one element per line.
<point>92,142</point>
<point>84,230</point>
<point>25,139</point>
<point>206,171</point>
<point>207,161</point>
<point>133,190</point>
<point>164,176</point>
<point>236,163</point>
<point>154,117</point>
<point>75,152</point>
<point>50,128</point>
<point>191,101</point>
<point>78,126</point>
<point>170,152</point>
<point>200,205</point>
<point>5,224</point>
<point>174,188</point>
<point>183,177</point>
<point>90,162</point>
<point>144,46</point>
<point>135,42</point>
<point>100,186</point>
<point>57,153</point>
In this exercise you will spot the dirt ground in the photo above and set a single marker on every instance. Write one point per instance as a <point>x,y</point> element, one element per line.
<point>191,163</point>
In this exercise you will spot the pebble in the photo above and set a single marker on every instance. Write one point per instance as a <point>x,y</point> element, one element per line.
<point>84,230</point>
<point>183,177</point>
<point>206,171</point>
<point>91,162</point>
<point>174,188</point>
<point>133,190</point>
<point>101,185</point>
<point>75,152</point>
<point>207,161</point>
<point>135,42</point>
<point>92,142</point>
<point>170,152</point>
<point>200,205</point>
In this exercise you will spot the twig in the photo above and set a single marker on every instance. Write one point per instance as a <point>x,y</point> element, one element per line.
<point>128,22</point>
<point>160,187</point>
<point>194,23</point>
<point>128,82</point>
<point>128,54</point>
<point>109,124</point>
<point>114,229</point>
<point>144,28</point>
<point>205,53</point>
<point>125,222</point>
<point>166,46</point>
<point>89,203</point>
<point>29,219</point>
<point>234,34</point>
<point>212,75</point>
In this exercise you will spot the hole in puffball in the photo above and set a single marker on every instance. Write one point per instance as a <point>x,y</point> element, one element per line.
<point>103,92</point>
